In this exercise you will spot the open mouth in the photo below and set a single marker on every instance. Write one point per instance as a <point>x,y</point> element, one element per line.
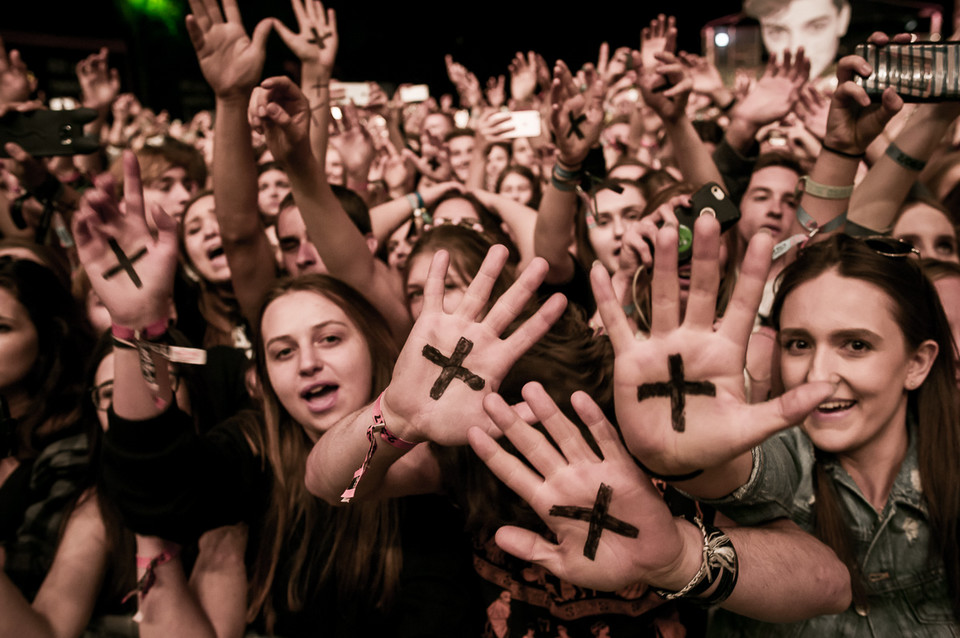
<point>837,405</point>
<point>318,391</point>
<point>213,253</point>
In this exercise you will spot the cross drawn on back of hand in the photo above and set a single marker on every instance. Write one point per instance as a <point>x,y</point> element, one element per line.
<point>125,263</point>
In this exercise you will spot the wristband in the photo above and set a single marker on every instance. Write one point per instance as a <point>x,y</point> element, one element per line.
<point>719,564</point>
<point>810,225</point>
<point>149,578</point>
<point>151,332</point>
<point>835,151</point>
<point>904,160</point>
<point>823,191</point>
<point>378,427</point>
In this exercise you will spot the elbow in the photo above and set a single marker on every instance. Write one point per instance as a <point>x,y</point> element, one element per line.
<point>838,594</point>
<point>313,481</point>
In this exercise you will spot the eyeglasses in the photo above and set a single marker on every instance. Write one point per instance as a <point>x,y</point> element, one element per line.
<point>890,246</point>
<point>102,395</point>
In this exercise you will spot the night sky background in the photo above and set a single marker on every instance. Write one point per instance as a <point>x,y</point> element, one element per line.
<point>387,42</point>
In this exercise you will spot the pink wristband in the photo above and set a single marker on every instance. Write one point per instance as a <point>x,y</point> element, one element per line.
<point>386,435</point>
<point>156,329</point>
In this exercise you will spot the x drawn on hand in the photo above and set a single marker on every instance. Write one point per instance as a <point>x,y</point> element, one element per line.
<point>598,518</point>
<point>575,123</point>
<point>452,368</point>
<point>318,39</point>
<point>677,389</point>
<point>126,263</point>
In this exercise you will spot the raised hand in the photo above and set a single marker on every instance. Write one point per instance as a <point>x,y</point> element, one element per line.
<point>634,539</point>
<point>131,270</point>
<point>680,395</point>
<point>354,144</point>
<point>666,87</point>
<point>612,69</point>
<point>279,110</point>
<point>231,61</point>
<point>659,37</point>
<point>576,118</point>
<point>852,121</point>
<point>523,76</point>
<point>776,92</point>
<point>812,108</point>
<point>452,360</point>
<point>99,84</point>
<point>495,93</point>
<point>16,80</point>
<point>468,87</point>
<point>706,76</point>
<point>318,40</point>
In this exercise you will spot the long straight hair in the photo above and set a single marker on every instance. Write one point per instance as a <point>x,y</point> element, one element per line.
<point>916,309</point>
<point>357,547</point>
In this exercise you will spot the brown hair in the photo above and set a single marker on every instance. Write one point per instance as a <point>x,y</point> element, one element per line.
<point>916,309</point>
<point>358,547</point>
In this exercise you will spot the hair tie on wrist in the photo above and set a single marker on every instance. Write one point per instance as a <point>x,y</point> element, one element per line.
<point>835,151</point>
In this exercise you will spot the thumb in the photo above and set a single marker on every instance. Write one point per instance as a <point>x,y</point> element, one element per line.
<point>260,33</point>
<point>528,546</point>
<point>788,409</point>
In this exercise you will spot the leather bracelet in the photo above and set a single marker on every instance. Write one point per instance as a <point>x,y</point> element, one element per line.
<point>904,160</point>
<point>719,564</point>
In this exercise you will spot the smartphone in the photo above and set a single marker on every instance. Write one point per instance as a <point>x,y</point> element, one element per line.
<point>919,71</point>
<point>712,200</point>
<point>415,93</point>
<point>44,133</point>
<point>525,124</point>
<point>356,92</point>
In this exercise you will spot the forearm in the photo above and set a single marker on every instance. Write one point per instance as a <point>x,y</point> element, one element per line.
<point>693,159</point>
<point>17,617</point>
<point>169,608</point>
<point>386,217</point>
<point>878,197</point>
<point>247,248</point>
<point>315,84</point>
<point>478,160</point>
<point>553,232</point>
<point>521,220</point>
<point>786,575</point>
<point>741,134</point>
<point>340,451</point>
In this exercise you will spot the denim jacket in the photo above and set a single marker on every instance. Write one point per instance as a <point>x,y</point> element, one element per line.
<point>907,595</point>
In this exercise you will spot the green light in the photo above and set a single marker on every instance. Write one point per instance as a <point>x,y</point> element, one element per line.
<point>170,12</point>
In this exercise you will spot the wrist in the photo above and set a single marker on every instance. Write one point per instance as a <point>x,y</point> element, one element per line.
<point>237,98</point>
<point>682,569</point>
<point>570,164</point>
<point>396,423</point>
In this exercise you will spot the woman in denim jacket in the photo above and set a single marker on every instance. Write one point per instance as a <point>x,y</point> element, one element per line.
<point>872,470</point>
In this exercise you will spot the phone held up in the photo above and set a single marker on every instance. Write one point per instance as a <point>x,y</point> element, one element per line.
<point>918,71</point>
<point>711,200</point>
<point>44,133</point>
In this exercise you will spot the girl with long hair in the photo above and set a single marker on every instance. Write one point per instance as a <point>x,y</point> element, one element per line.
<point>868,372</point>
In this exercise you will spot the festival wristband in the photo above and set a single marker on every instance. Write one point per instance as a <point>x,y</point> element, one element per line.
<point>904,160</point>
<point>378,427</point>
<point>823,191</point>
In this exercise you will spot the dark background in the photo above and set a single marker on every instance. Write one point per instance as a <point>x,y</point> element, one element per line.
<point>387,42</point>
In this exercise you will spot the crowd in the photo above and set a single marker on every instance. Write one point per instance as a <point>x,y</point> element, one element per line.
<point>616,351</point>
